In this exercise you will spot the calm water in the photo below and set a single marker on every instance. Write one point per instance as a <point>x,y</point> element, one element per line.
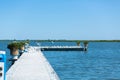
<point>101,62</point>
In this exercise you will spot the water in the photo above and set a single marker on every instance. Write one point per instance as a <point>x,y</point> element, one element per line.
<point>3,47</point>
<point>101,62</point>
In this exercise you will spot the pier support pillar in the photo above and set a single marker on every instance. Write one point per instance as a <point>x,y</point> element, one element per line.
<point>85,49</point>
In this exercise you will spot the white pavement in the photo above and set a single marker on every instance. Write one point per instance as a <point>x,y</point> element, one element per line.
<point>32,66</point>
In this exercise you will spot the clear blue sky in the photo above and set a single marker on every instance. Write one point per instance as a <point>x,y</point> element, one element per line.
<point>60,19</point>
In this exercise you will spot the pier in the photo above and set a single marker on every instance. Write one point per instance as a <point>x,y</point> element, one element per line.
<point>32,65</point>
<point>62,48</point>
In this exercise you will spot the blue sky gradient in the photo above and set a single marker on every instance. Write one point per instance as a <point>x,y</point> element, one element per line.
<point>60,19</point>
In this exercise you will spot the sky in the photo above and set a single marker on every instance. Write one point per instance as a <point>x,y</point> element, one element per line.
<point>60,19</point>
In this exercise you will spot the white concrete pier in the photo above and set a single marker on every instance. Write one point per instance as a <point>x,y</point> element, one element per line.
<point>62,48</point>
<point>32,66</point>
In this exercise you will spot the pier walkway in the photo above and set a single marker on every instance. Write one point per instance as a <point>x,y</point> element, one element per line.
<point>32,65</point>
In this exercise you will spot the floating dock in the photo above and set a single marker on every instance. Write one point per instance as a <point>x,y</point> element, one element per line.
<point>62,48</point>
<point>32,65</point>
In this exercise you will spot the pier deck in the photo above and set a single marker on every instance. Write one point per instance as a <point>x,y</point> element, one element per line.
<point>62,48</point>
<point>32,66</point>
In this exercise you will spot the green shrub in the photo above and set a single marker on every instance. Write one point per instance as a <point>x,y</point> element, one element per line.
<point>85,42</point>
<point>14,45</point>
<point>78,43</point>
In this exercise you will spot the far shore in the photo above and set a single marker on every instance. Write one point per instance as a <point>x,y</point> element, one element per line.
<point>67,40</point>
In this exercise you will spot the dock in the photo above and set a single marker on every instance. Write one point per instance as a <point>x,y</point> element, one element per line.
<point>62,48</point>
<point>32,65</point>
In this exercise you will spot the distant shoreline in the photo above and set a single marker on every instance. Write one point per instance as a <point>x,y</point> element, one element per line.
<point>69,40</point>
<point>78,40</point>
